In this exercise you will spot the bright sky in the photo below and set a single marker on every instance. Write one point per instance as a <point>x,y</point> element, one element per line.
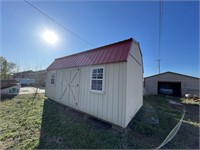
<point>102,23</point>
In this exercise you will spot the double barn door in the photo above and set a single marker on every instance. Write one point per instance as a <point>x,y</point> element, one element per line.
<point>70,87</point>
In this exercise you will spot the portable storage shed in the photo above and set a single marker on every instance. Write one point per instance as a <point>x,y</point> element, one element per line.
<point>105,82</point>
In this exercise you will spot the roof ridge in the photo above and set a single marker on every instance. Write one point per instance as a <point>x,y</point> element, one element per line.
<point>97,48</point>
<point>173,73</point>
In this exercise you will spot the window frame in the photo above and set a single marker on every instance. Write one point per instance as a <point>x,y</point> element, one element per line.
<point>103,80</point>
<point>52,72</point>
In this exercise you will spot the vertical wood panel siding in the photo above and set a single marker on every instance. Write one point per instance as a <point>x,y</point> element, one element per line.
<point>58,85</point>
<point>134,97</point>
<point>110,105</point>
<point>50,89</point>
<point>110,100</point>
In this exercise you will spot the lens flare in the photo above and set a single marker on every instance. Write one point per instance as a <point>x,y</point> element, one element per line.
<point>50,37</point>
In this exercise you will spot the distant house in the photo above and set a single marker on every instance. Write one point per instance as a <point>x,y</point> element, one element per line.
<point>23,74</point>
<point>105,82</point>
<point>30,77</point>
<point>171,83</point>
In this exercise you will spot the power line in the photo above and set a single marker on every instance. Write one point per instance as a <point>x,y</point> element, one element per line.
<point>61,25</point>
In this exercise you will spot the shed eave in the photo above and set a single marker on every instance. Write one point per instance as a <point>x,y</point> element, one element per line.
<point>85,65</point>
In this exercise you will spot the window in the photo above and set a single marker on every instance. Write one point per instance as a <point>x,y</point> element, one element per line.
<point>53,75</point>
<point>97,79</point>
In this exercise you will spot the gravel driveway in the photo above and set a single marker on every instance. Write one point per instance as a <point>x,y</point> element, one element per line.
<point>29,90</point>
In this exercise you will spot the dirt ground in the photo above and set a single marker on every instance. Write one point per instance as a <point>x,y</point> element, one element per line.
<point>30,90</point>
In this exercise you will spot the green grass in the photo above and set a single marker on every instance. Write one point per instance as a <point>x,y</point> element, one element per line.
<point>28,123</point>
<point>21,120</point>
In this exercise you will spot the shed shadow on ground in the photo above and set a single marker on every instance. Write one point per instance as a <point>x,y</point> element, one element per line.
<point>64,128</point>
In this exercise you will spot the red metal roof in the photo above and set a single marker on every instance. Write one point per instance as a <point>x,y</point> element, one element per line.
<point>116,52</point>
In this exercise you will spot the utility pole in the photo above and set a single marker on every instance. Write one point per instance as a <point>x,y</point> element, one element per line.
<point>158,60</point>
<point>160,33</point>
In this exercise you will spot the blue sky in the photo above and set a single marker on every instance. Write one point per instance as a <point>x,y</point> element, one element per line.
<point>102,23</point>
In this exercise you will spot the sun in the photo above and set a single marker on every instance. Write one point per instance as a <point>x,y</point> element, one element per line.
<point>50,37</point>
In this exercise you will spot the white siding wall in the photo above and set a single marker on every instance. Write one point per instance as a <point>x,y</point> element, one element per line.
<point>58,90</point>
<point>134,91</point>
<point>50,90</point>
<point>188,84</point>
<point>135,51</point>
<point>110,105</point>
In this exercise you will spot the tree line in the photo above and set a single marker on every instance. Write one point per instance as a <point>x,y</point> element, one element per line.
<point>7,68</point>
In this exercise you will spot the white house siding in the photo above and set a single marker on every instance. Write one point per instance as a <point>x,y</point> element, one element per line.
<point>110,105</point>
<point>188,84</point>
<point>134,98</point>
